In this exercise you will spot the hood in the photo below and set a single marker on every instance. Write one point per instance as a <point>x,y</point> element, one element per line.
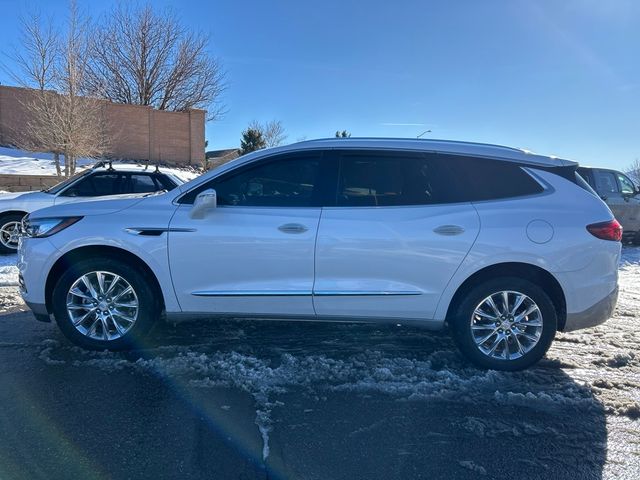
<point>97,206</point>
<point>17,195</point>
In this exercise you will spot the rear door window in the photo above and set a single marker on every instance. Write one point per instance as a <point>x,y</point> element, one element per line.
<point>606,182</point>
<point>142,183</point>
<point>369,180</point>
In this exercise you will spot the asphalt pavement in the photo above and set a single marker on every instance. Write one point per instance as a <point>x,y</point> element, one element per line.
<point>250,399</point>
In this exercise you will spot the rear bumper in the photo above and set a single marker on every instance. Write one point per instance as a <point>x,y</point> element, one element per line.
<point>594,315</point>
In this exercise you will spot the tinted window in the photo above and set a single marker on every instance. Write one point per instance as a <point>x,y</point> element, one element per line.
<point>289,182</point>
<point>371,180</point>
<point>586,175</point>
<point>626,185</point>
<point>404,179</point>
<point>96,185</point>
<point>605,182</point>
<point>485,179</point>
<point>141,183</point>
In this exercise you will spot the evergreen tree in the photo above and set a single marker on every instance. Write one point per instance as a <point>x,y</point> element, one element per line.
<point>342,134</point>
<point>252,140</point>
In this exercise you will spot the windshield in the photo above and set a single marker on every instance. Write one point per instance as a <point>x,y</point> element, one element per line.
<point>60,186</point>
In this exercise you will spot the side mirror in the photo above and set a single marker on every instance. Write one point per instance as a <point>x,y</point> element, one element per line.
<point>204,202</point>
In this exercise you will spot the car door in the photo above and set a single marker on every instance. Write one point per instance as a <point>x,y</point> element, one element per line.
<point>394,238</point>
<point>631,203</point>
<point>253,254</point>
<point>608,188</point>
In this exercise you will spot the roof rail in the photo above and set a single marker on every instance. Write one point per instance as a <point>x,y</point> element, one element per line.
<point>428,140</point>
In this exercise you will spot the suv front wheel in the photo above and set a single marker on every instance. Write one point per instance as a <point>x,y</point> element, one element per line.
<point>504,324</point>
<point>104,303</point>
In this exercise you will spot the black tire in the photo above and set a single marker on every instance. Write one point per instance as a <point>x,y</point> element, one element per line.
<point>148,304</point>
<point>636,239</point>
<point>460,323</point>
<point>14,217</point>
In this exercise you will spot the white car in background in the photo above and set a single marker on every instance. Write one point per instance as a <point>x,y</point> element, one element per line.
<point>103,180</point>
<point>505,246</point>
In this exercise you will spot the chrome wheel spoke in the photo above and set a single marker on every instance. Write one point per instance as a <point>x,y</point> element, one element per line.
<point>493,306</point>
<point>516,305</point>
<point>480,313</point>
<point>100,277</point>
<point>121,315</point>
<point>78,293</point>
<point>87,283</point>
<point>487,337</point>
<point>79,320</point>
<point>495,344</point>
<point>518,344</point>
<point>92,310</point>
<point>508,335</point>
<point>121,330</point>
<point>122,293</point>
<point>532,308</point>
<point>114,282</point>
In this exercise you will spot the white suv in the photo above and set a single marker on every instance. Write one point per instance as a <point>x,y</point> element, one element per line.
<point>504,246</point>
<point>105,179</point>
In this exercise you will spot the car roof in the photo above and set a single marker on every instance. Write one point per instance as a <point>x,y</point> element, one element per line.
<point>486,150</point>
<point>126,167</point>
<point>138,168</point>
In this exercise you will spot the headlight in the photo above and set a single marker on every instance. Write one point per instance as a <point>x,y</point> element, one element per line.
<point>45,227</point>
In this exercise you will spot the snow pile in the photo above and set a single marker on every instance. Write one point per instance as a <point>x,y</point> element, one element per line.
<point>8,270</point>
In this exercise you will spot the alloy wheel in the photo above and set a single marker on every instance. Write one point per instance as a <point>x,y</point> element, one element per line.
<point>9,234</point>
<point>506,325</point>
<point>102,305</point>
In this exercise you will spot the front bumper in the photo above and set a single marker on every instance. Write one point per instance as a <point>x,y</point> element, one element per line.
<point>594,315</point>
<point>39,311</point>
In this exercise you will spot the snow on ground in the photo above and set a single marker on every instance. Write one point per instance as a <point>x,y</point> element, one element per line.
<point>8,270</point>
<point>20,162</point>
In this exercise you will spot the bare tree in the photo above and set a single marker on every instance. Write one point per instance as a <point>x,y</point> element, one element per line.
<point>145,57</point>
<point>272,132</point>
<point>634,171</point>
<point>55,66</point>
<point>35,67</point>
<point>80,123</point>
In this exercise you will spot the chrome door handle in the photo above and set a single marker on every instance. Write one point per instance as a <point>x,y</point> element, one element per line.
<point>449,230</point>
<point>292,228</point>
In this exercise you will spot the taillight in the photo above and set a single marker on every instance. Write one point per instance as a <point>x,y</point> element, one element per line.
<point>611,230</point>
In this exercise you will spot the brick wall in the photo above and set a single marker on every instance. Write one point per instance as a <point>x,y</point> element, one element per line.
<point>137,132</point>
<point>25,183</point>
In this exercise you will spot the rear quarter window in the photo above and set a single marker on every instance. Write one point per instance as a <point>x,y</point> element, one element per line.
<point>476,179</point>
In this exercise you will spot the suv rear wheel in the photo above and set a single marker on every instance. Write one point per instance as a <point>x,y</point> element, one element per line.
<point>103,303</point>
<point>505,324</point>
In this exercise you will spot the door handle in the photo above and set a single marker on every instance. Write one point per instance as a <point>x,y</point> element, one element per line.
<point>449,230</point>
<point>292,228</point>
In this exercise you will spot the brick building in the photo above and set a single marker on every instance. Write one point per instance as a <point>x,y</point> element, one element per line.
<point>136,132</point>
